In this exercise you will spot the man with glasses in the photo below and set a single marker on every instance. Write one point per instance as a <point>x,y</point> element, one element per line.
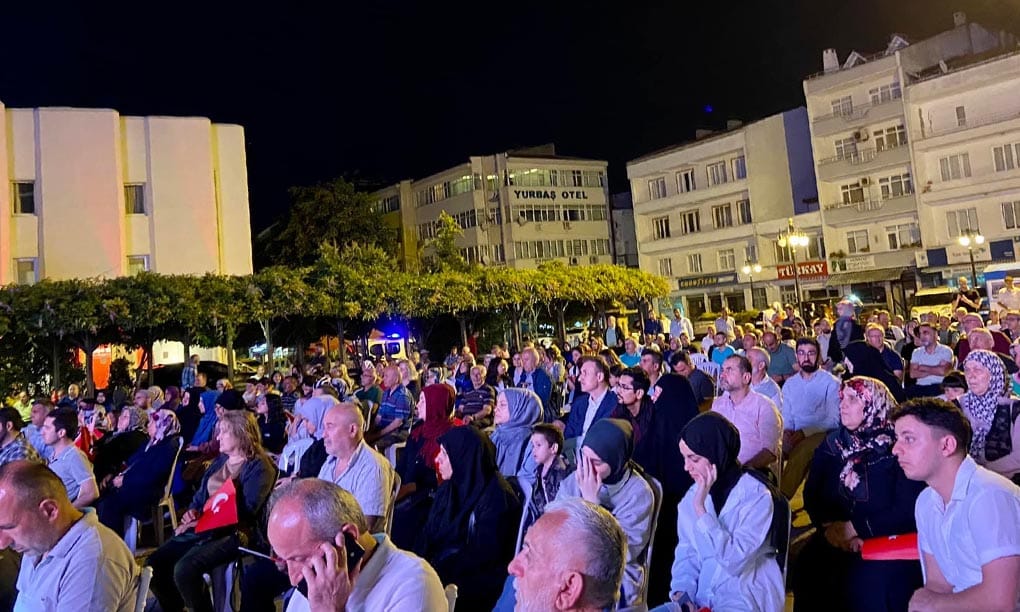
<point>634,404</point>
<point>810,410</point>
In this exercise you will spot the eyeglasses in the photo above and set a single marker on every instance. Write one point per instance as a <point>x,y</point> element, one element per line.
<point>807,353</point>
<point>624,387</point>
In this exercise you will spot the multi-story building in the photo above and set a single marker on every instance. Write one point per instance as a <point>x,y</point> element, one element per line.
<point>865,137</point>
<point>625,252</point>
<point>705,209</point>
<point>93,194</point>
<point>518,208</point>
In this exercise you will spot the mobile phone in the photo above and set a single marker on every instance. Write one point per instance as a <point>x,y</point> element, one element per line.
<point>355,552</point>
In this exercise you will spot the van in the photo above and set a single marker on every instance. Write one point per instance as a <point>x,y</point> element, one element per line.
<point>938,300</point>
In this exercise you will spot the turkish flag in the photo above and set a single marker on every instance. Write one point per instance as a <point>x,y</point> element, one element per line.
<point>891,548</point>
<point>220,510</point>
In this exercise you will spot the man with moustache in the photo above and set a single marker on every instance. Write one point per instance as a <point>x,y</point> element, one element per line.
<point>810,410</point>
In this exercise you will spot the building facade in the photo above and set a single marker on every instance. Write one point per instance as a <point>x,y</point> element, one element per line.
<point>93,194</point>
<point>705,209</point>
<point>520,208</point>
<point>872,151</point>
<point>625,251</point>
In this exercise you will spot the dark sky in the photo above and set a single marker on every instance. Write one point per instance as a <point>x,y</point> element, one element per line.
<point>393,89</point>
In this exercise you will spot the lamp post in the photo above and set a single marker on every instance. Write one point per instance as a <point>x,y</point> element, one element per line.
<point>793,239</point>
<point>969,239</point>
<point>750,269</point>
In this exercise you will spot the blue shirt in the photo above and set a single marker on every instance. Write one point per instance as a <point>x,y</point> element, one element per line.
<point>721,353</point>
<point>811,404</point>
<point>395,405</point>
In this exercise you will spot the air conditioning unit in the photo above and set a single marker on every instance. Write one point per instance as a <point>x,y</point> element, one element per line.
<point>861,135</point>
<point>865,181</point>
<point>484,260</point>
<point>483,226</point>
<point>573,261</point>
<point>521,220</point>
<point>594,259</point>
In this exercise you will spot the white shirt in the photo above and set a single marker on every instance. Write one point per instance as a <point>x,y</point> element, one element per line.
<point>721,559</point>
<point>1009,299</point>
<point>392,580</point>
<point>978,526</point>
<point>589,414</point>
<point>940,354</point>
<point>681,326</point>
<point>811,404</point>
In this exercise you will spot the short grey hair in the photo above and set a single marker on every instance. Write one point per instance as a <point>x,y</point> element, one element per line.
<point>353,412</point>
<point>599,537</point>
<point>761,353</point>
<point>323,504</point>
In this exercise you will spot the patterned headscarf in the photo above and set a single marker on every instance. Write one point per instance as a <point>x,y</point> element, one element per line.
<point>875,434</point>
<point>166,425</point>
<point>980,409</point>
<point>138,420</point>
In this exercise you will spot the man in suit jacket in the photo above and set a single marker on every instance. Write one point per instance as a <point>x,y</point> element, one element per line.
<point>593,403</point>
<point>535,378</point>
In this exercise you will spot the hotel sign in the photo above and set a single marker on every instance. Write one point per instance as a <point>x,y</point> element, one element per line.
<point>710,280</point>
<point>806,269</point>
<point>550,194</point>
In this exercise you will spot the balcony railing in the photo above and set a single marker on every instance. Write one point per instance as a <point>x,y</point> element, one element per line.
<point>858,112</point>
<point>860,156</point>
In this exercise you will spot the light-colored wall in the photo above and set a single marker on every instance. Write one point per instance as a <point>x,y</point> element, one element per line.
<point>234,222</point>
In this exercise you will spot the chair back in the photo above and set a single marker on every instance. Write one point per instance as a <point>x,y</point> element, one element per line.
<point>451,596</point>
<point>524,518</point>
<point>778,537</point>
<point>697,358</point>
<point>173,468</point>
<point>656,487</point>
<point>144,578</point>
<point>392,505</point>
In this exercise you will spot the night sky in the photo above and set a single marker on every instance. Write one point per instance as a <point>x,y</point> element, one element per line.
<point>386,90</point>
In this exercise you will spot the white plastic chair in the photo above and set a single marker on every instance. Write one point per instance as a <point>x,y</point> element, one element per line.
<point>133,527</point>
<point>647,561</point>
<point>391,452</point>
<point>698,359</point>
<point>144,578</point>
<point>392,505</point>
<point>451,596</point>
<point>524,518</point>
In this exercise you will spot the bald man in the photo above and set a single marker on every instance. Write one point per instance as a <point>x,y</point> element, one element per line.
<point>71,561</point>
<point>355,466</point>
<point>308,521</point>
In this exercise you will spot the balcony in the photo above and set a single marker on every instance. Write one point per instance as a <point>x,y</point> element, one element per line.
<point>863,115</point>
<point>861,162</point>
<point>847,213</point>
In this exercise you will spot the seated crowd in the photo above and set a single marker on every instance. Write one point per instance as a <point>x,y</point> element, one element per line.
<point>624,472</point>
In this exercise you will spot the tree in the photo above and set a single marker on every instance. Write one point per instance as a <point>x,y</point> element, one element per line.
<point>445,252</point>
<point>334,213</point>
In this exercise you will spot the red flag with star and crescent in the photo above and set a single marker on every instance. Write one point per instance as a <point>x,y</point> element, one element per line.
<point>220,509</point>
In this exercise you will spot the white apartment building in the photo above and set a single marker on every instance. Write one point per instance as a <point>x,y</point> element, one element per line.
<point>96,194</point>
<point>519,208</point>
<point>704,209</point>
<point>865,137</point>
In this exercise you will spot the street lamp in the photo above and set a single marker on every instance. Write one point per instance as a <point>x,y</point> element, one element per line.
<point>968,239</point>
<point>793,239</point>
<point>750,269</point>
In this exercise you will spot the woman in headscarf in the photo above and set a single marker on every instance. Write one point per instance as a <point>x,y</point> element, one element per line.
<point>674,404</point>
<point>862,359</point>
<point>156,398</point>
<point>189,414</point>
<point>990,409</point>
<point>606,476</point>
<point>722,559</point>
<point>471,529</point>
<point>516,411</point>
<point>113,450</point>
<point>856,490</point>
<point>416,464</point>
<point>137,488</point>
<point>172,398</point>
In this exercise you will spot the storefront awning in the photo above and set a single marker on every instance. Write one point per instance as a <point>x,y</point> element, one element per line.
<point>837,279</point>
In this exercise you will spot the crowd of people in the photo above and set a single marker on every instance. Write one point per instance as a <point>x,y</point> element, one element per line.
<point>633,471</point>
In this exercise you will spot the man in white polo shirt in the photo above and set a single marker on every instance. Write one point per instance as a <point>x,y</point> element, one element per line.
<point>967,518</point>
<point>354,466</point>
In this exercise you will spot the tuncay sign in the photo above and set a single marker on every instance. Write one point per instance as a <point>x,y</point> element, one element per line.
<point>549,194</point>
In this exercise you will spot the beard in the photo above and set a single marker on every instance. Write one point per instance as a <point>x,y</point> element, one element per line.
<point>536,602</point>
<point>810,368</point>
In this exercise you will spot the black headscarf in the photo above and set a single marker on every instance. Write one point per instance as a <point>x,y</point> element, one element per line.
<point>613,441</point>
<point>713,437</point>
<point>189,415</point>
<point>659,455</point>
<point>867,361</point>
<point>473,458</point>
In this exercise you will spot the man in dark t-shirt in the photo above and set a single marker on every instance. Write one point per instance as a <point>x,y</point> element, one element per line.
<point>966,297</point>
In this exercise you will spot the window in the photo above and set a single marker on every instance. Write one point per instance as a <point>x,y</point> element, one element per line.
<point>722,216</point>
<point>685,181</point>
<point>690,222</point>
<point>593,178</point>
<point>846,147</point>
<point>727,260</point>
<point>961,116</point>
<point>388,204</point>
<point>890,138</point>
<point>666,267</point>
<point>739,168</point>
<point>743,211</point>
<point>23,197</point>
<point>134,199</point>
<point>955,166</point>
<point>136,264</point>
<point>717,173</point>
<point>813,251</point>
<point>1011,214</point>
<point>694,263</point>
<point>885,93</point>
<point>857,242</point>
<point>903,236</point>
<point>600,247</point>
<point>657,188</point>
<point>576,178</point>
<point>959,221</point>
<point>895,186</point>
<point>751,252</point>
<point>852,193</point>
<point>843,106</point>
<point>577,248</point>
<point>660,228</point>
<point>24,271</point>
<point>1006,157</point>
<point>447,189</point>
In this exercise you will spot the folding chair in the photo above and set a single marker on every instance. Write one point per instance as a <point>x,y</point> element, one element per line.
<point>133,527</point>
<point>144,578</point>
<point>451,596</point>
<point>646,562</point>
<point>393,504</point>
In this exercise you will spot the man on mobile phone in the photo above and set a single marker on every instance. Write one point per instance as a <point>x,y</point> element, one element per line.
<point>318,530</point>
